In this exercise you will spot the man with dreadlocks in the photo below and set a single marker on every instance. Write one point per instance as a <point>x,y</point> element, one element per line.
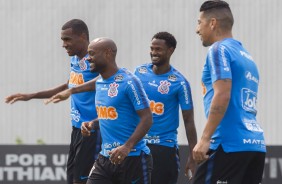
<point>231,149</point>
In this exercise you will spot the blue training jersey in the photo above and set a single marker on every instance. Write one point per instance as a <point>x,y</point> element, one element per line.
<point>117,100</point>
<point>82,104</point>
<point>165,92</point>
<point>239,129</point>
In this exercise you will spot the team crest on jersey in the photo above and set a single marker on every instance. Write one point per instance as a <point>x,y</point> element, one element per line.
<point>164,87</point>
<point>172,78</point>
<point>113,91</point>
<point>142,70</point>
<point>82,64</point>
<point>118,77</point>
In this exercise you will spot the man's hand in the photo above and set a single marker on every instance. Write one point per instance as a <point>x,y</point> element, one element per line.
<point>86,128</point>
<point>190,167</point>
<point>59,97</point>
<point>200,151</point>
<point>17,97</point>
<point>118,154</point>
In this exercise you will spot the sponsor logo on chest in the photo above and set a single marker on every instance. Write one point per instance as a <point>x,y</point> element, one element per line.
<point>142,70</point>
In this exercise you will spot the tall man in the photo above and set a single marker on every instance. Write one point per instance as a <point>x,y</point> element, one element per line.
<point>124,118</point>
<point>81,157</point>
<point>231,149</point>
<point>167,88</point>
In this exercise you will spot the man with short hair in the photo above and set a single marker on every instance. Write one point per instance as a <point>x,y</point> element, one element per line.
<point>232,148</point>
<point>167,89</point>
<point>83,150</point>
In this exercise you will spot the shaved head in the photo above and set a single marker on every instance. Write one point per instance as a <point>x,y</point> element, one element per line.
<point>104,44</point>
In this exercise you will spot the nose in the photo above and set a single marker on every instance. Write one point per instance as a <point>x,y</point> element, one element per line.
<point>88,58</point>
<point>153,52</point>
<point>197,30</point>
<point>64,44</point>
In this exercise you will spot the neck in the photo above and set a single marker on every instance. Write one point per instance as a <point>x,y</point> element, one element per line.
<point>161,69</point>
<point>109,71</point>
<point>222,35</point>
<point>83,51</point>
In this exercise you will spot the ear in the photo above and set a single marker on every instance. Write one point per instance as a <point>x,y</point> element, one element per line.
<point>213,23</point>
<point>84,36</point>
<point>107,53</point>
<point>171,50</point>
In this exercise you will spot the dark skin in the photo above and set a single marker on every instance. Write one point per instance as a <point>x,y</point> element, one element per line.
<point>160,56</point>
<point>74,45</point>
<point>102,53</point>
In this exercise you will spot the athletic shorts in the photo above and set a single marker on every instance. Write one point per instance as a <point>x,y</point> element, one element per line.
<point>83,152</point>
<point>133,170</point>
<point>166,164</point>
<point>230,168</point>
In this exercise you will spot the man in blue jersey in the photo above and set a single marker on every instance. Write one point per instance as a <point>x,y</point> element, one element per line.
<point>81,157</point>
<point>232,148</point>
<point>124,118</point>
<point>167,88</point>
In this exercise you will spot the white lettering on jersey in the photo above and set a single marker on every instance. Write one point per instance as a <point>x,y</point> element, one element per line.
<point>250,77</point>
<point>246,55</point>
<point>249,100</point>
<point>134,92</point>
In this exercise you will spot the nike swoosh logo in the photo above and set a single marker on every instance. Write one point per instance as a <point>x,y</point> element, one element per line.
<point>83,177</point>
<point>135,181</point>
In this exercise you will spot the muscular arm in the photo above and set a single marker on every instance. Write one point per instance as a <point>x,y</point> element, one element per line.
<point>87,86</point>
<point>142,128</point>
<point>120,153</point>
<point>219,104</point>
<point>37,95</point>
<point>191,134</point>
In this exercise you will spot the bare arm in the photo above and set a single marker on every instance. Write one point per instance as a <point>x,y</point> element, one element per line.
<point>87,127</point>
<point>37,95</point>
<point>119,154</point>
<point>219,104</point>
<point>142,128</point>
<point>191,134</point>
<point>87,86</point>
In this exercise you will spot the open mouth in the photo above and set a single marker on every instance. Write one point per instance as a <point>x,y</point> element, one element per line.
<point>155,58</point>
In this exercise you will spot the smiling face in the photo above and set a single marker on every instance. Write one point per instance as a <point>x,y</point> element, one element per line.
<point>96,58</point>
<point>205,29</point>
<point>73,43</point>
<point>160,52</point>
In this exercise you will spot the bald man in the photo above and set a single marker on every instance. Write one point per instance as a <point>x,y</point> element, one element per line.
<point>124,117</point>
